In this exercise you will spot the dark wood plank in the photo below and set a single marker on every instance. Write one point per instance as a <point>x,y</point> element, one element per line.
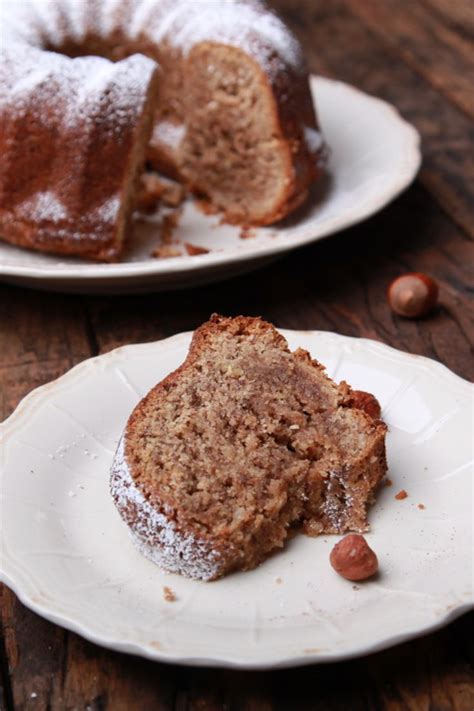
<point>6,699</point>
<point>433,672</point>
<point>459,15</point>
<point>96,679</point>
<point>338,285</point>
<point>41,336</point>
<point>36,654</point>
<point>427,674</point>
<point>436,52</point>
<point>339,45</point>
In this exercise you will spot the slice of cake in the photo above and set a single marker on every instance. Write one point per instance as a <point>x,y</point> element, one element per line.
<point>242,444</point>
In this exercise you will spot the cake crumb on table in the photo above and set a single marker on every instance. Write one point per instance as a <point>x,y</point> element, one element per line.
<point>402,494</point>
<point>421,506</point>
<point>278,580</point>
<point>169,594</point>
<point>388,482</point>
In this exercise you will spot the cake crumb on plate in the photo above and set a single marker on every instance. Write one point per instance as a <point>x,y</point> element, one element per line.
<point>165,251</point>
<point>169,594</point>
<point>194,249</point>
<point>247,232</point>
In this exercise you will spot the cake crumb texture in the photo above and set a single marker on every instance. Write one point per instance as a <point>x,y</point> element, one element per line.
<point>243,445</point>
<point>214,95</point>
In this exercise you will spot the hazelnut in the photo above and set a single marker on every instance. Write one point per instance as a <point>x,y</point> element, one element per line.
<point>353,558</point>
<point>366,402</point>
<point>412,295</point>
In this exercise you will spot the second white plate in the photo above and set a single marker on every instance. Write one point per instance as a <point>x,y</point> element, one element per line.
<point>67,554</point>
<point>374,156</point>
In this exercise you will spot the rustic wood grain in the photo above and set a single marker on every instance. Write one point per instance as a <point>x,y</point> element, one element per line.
<point>40,337</point>
<point>424,42</point>
<point>338,285</point>
<point>459,15</point>
<point>339,45</point>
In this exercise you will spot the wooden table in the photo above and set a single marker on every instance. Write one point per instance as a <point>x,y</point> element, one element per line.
<point>417,54</point>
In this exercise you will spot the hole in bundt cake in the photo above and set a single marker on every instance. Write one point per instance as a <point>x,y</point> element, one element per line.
<point>227,115</point>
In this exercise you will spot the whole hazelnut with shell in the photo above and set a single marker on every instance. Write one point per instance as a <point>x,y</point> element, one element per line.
<point>412,295</point>
<point>353,558</point>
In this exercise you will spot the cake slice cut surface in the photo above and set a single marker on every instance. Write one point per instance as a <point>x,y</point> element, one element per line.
<point>241,446</point>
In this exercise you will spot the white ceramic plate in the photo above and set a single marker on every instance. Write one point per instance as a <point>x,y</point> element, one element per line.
<point>67,554</point>
<point>374,156</point>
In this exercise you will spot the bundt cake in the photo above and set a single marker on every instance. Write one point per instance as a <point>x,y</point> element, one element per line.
<point>213,93</point>
<point>245,443</point>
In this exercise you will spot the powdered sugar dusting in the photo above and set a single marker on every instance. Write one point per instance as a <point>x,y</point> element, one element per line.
<point>70,97</point>
<point>157,16</point>
<point>46,17</point>
<point>76,15</point>
<point>67,99</point>
<point>247,25</point>
<point>314,139</point>
<point>182,23</point>
<point>171,134</point>
<point>338,501</point>
<point>44,207</point>
<point>107,212</point>
<point>156,535</point>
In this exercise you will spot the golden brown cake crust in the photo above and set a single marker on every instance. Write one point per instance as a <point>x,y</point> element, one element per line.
<point>72,139</point>
<point>243,442</point>
<point>72,145</point>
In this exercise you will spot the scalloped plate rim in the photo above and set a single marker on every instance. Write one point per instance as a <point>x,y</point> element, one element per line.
<point>40,394</point>
<point>89,273</point>
<point>148,652</point>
